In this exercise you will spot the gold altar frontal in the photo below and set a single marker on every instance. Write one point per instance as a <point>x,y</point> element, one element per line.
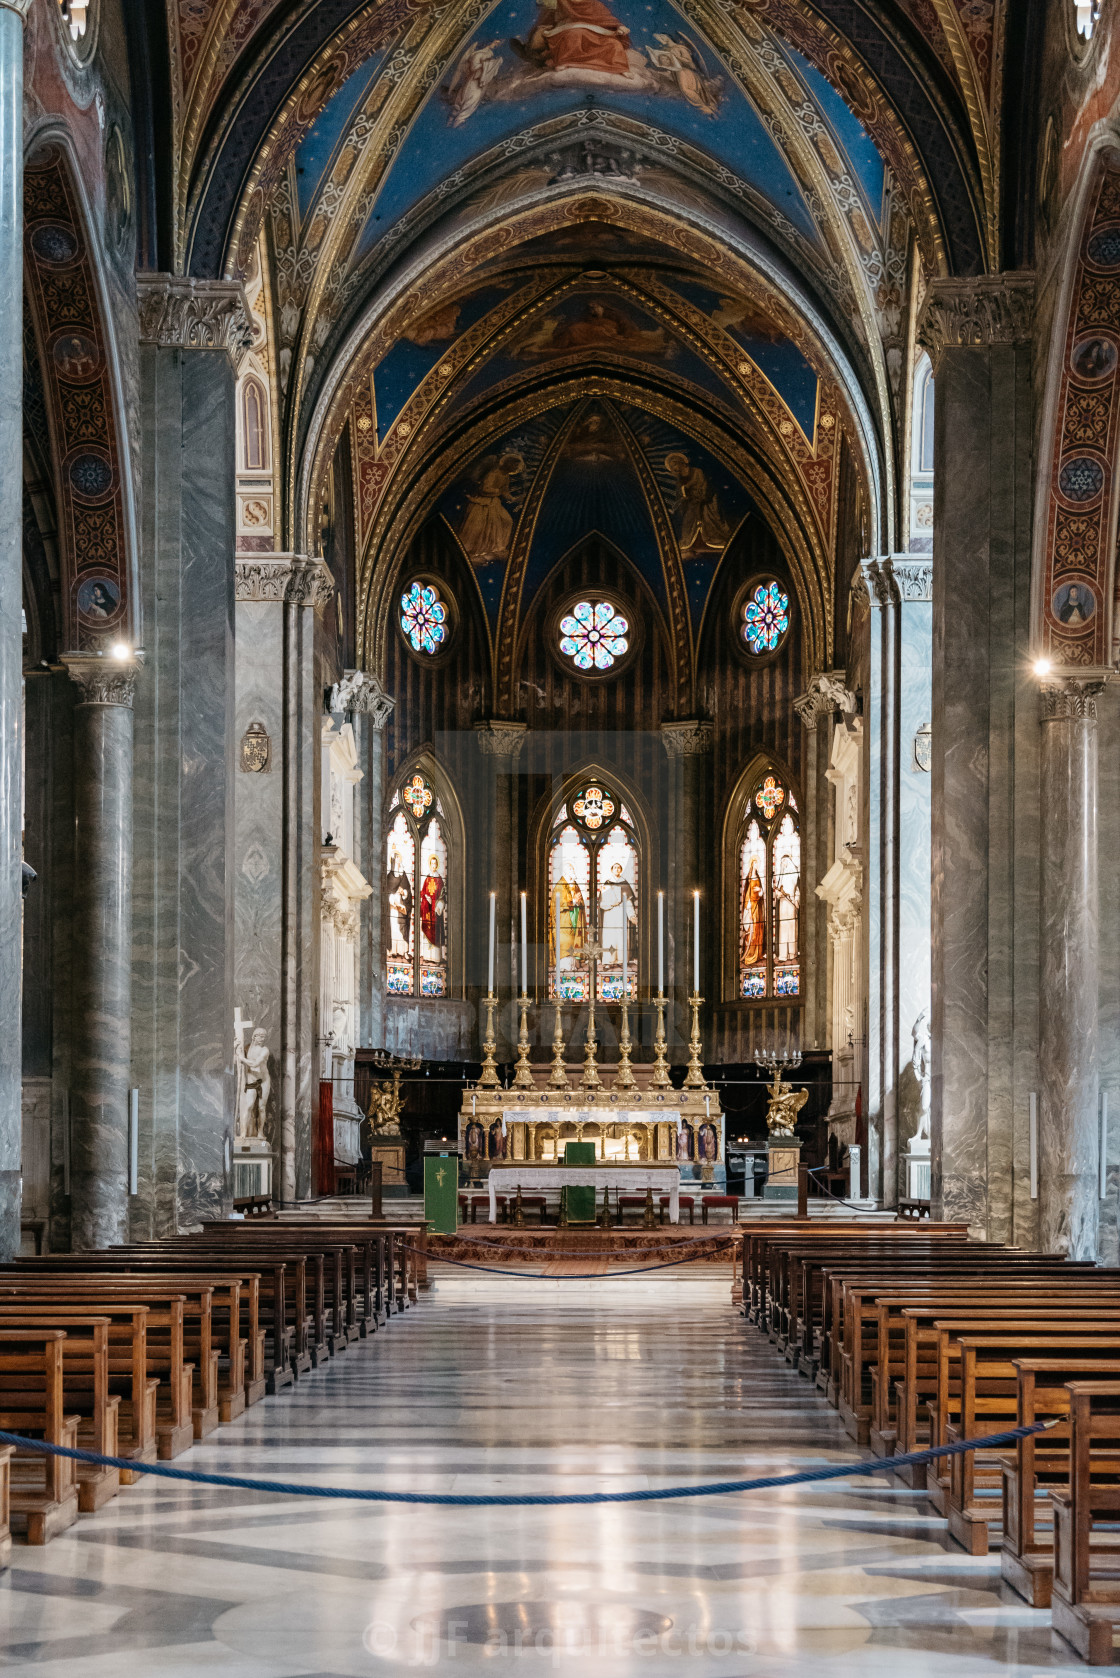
<point>638,1124</point>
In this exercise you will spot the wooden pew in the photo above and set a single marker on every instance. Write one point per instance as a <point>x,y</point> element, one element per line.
<point>1040,1465</point>
<point>85,1392</point>
<point>1085,1602</point>
<point>904,1372</point>
<point>44,1490</point>
<point>230,1340</point>
<point>165,1338</point>
<point>129,1378</point>
<point>988,1403</point>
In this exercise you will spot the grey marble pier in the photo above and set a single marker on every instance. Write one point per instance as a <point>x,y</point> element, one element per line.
<point>11,601</point>
<point>1068,1118</point>
<point>102,951</point>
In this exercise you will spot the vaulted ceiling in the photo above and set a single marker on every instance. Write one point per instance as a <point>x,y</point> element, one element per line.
<point>455,218</point>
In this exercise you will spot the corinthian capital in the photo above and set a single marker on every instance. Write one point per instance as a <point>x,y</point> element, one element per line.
<point>500,739</point>
<point>973,314</point>
<point>686,739</point>
<point>286,579</point>
<point>359,691</point>
<point>1072,698</point>
<point>186,314</point>
<point>826,693</point>
<point>102,681</point>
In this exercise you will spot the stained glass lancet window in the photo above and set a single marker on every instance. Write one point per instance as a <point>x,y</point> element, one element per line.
<point>594,635</point>
<point>765,618</point>
<point>593,889</point>
<point>768,852</point>
<point>417,881</point>
<point>424,618</point>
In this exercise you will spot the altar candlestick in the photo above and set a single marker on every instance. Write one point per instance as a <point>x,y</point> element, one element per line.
<point>696,942</point>
<point>625,930</point>
<point>524,950</point>
<point>661,943</point>
<point>493,924</point>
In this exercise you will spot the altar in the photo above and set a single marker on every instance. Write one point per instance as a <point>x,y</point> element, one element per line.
<point>625,1178</point>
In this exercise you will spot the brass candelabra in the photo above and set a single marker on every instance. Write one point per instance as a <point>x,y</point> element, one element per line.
<point>523,1078</point>
<point>558,1077</point>
<point>661,1079</point>
<point>694,1079</point>
<point>625,1079</point>
<point>489,1079</point>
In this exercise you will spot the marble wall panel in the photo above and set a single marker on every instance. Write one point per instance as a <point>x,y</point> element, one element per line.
<point>915,685</point>
<point>182,1051</point>
<point>437,1030</point>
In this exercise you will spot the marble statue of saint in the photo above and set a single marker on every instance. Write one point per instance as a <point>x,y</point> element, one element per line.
<point>254,1084</point>
<point>920,1061</point>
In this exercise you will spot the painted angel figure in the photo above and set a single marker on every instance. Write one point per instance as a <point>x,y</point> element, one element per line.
<point>473,74</point>
<point>677,57</point>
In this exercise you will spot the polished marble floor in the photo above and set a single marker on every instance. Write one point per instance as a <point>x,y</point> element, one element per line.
<point>526,1385</point>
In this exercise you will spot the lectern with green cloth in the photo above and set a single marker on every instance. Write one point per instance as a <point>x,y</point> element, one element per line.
<point>441,1187</point>
<point>580,1201</point>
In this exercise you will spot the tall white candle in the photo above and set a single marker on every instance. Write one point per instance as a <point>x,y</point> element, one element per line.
<point>661,943</point>
<point>696,943</point>
<point>493,926</point>
<point>625,953</point>
<point>524,949</point>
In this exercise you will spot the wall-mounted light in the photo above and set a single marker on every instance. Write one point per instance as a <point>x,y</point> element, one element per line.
<point>121,649</point>
<point>1042,667</point>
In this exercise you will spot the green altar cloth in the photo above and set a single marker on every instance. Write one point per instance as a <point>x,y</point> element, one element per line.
<point>581,1201</point>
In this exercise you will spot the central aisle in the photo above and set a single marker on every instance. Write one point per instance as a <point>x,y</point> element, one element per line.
<point>520,1385</point>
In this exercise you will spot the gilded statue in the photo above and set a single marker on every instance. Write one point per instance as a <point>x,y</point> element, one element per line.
<point>385,1104</point>
<point>785,1104</point>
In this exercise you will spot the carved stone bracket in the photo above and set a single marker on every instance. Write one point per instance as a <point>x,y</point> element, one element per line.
<point>826,693</point>
<point>186,314</point>
<point>102,681</point>
<point>686,739</point>
<point>974,314</point>
<point>1072,699</point>
<point>359,691</point>
<point>501,739</point>
<point>286,579</point>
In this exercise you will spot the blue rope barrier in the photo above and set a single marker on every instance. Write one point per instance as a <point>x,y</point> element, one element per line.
<point>236,1482</point>
<point>542,1276</point>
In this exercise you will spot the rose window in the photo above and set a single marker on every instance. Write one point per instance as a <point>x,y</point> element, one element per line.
<point>765,618</point>
<point>424,618</point>
<point>594,634</point>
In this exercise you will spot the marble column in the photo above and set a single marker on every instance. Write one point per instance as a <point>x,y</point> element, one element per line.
<point>687,744</point>
<point>1069,961</point>
<point>879,952</point>
<point>501,744</point>
<point>985,755</point>
<point>101,979</point>
<point>362,698</point>
<point>279,707</point>
<point>826,694</point>
<point>192,336</point>
<point>11,603</point>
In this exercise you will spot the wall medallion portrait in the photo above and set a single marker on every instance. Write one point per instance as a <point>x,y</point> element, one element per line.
<point>76,356</point>
<point>99,599</point>
<point>1073,604</point>
<point>118,192</point>
<point>1093,358</point>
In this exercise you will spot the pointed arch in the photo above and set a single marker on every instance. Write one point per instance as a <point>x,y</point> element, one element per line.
<point>423,869</point>
<point>761,868</point>
<point>595,842</point>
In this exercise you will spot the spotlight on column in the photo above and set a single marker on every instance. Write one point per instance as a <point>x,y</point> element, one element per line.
<point>1042,667</point>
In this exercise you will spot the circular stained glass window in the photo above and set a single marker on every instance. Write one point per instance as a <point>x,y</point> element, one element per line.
<point>424,618</point>
<point>765,618</point>
<point>594,634</point>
